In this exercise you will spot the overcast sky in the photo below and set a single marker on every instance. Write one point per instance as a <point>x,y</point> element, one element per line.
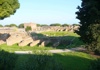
<point>44,12</point>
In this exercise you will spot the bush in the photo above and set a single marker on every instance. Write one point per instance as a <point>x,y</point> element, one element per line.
<point>21,26</point>
<point>28,28</point>
<point>38,61</point>
<point>65,25</point>
<point>7,60</point>
<point>95,65</point>
<point>55,24</point>
<point>94,38</point>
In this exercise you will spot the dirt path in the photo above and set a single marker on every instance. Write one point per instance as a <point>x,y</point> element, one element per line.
<point>54,51</point>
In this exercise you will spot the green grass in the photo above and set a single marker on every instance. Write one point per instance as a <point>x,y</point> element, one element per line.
<point>63,33</point>
<point>74,60</point>
<point>15,47</point>
<point>48,61</point>
<point>68,61</point>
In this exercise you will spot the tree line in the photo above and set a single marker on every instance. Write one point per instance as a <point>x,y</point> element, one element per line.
<point>57,24</point>
<point>39,25</point>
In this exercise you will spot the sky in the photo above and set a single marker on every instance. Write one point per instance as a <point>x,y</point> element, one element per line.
<point>44,12</point>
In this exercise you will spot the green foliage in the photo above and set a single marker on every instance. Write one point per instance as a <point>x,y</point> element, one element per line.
<point>8,7</point>
<point>74,60</point>
<point>21,26</point>
<point>38,24</point>
<point>28,28</point>
<point>89,16</point>
<point>37,62</point>
<point>65,25</point>
<point>46,61</point>
<point>55,24</point>
<point>7,61</point>
<point>94,38</point>
<point>43,25</point>
<point>61,33</point>
<point>1,25</point>
<point>15,47</point>
<point>13,25</point>
<point>95,65</point>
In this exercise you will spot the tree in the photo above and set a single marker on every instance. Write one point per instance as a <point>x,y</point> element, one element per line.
<point>89,16</point>
<point>65,25</point>
<point>13,25</point>
<point>28,28</point>
<point>38,25</point>
<point>21,25</point>
<point>1,25</point>
<point>8,7</point>
<point>43,25</point>
<point>55,24</point>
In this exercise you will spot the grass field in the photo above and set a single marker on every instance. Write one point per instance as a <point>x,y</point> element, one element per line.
<point>15,47</point>
<point>44,60</point>
<point>74,60</point>
<point>62,33</point>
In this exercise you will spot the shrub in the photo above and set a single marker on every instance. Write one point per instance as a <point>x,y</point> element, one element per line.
<point>95,65</point>
<point>21,26</point>
<point>7,60</point>
<point>38,61</point>
<point>94,38</point>
<point>55,24</point>
<point>28,28</point>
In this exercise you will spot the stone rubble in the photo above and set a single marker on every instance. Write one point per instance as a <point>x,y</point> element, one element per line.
<point>12,36</point>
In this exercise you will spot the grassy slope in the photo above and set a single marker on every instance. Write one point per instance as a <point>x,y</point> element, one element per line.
<point>15,47</point>
<point>69,61</point>
<point>74,61</point>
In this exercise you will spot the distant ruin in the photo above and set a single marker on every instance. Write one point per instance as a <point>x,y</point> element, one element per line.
<point>13,35</point>
<point>36,28</point>
<point>32,25</point>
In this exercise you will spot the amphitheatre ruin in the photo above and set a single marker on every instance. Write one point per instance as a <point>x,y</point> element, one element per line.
<point>14,35</point>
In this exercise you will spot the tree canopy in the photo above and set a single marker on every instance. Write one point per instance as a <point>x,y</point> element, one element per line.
<point>21,25</point>
<point>8,7</point>
<point>28,28</point>
<point>65,25</point>
<point>13,25</point>
<point>55,24</point>
<point>1,25</point>
<point>89,16</point>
